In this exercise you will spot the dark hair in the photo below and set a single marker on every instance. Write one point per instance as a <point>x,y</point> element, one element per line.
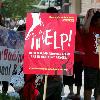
<point>1,21</point>
<point>95,17</point>
<point>51,10</point>
<point>78,23</point>
<point>22,27</point>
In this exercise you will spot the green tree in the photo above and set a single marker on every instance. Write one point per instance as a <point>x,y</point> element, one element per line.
<point>13,8</point>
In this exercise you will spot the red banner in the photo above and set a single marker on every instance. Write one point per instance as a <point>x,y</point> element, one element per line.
<point>49,43</point>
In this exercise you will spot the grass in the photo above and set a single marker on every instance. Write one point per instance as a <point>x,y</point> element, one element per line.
<point>6,97</point>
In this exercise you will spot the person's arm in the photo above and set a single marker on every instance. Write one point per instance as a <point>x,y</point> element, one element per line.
<point>86,25</point>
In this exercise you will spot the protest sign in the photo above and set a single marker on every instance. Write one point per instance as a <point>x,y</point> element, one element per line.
<point>10,61</point>
<point>49,43</point>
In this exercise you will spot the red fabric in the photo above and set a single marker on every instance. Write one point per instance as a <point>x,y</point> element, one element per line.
<point>78,47</point>
<point>91,59</point>
<point>29,90</point>
<point>78,41</point>
<point>29,76</point>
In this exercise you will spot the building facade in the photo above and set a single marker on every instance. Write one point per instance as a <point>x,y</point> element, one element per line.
<point>81,6</point>
<point>87,4</point>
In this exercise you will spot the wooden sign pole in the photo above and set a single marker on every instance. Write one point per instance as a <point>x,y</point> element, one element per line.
<point>45,87</point>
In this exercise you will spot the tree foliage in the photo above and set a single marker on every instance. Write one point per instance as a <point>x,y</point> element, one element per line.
<point>13,8</point>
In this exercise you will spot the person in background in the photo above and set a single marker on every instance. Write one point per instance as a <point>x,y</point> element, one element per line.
<point>21,29</point>
<point>78,65</point>
<point>78,59</point>
<point>29,91</point>
<point>7,22</point>
<point>52,10</point>
<point>91,59</point>
<point>12,23</point>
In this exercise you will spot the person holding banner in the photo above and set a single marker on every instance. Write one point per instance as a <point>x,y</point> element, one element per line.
<point>91,58</point>
<point>54,83</point>
<point>52,55</point>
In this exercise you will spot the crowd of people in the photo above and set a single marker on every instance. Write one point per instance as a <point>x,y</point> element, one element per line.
<point>13,23</point>
<point>86,59</point>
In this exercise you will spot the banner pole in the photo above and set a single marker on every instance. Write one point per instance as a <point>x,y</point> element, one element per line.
<point>45,87</point>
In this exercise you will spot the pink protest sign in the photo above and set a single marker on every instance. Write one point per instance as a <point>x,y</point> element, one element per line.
<point>49,43</point>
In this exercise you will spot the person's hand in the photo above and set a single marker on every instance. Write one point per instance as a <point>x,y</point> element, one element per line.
<point>90,13</point>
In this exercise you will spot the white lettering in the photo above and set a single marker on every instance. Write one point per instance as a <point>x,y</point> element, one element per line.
<point>37,44</point>
<point>32,45</point>
<point>62,40</point>
<point>55,40</point>
<point>47,36</point>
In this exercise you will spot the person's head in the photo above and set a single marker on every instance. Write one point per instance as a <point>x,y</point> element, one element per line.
<point>51,10</point>
<point>95,21</point>
<point>22,27</point>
